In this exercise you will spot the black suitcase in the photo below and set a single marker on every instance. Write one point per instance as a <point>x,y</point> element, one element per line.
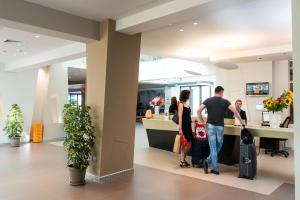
<point>200,151</point>
<point>248,161</point>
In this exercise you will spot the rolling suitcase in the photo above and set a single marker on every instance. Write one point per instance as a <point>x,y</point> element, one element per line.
<point>200,146</point>
<point>248,160</point>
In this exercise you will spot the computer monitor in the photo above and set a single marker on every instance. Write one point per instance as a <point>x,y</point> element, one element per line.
<point>265,117</point>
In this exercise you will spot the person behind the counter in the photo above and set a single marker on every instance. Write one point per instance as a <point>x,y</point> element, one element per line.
<point>238,107</point>
<point>174,106</point>
<point>185,126</point>
<point>216,108</point>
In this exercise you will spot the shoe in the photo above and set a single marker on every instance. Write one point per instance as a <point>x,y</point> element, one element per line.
<point>205,166</point>
<point>184,164</point>
<point>214,172</point>
<point>187,164</point>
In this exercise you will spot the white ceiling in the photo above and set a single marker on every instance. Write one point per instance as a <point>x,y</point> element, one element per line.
<point>234,30</point>
<point>28,46</point>
<point>99,9</point>
<point>224,28</point>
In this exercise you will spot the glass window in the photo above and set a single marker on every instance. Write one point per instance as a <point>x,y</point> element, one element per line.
<point>195,99</point>
<point>205,92</point>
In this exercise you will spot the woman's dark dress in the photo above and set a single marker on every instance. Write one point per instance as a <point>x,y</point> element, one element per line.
<point>187,124</point>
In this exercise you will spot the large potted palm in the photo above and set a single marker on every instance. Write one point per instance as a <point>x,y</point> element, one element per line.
<point>79,141</point>
<point>14,125</point>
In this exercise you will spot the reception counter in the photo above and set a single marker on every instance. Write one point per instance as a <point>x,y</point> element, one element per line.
<point>162,132</point>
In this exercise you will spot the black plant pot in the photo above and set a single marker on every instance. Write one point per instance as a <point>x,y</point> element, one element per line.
<point>77,176</point>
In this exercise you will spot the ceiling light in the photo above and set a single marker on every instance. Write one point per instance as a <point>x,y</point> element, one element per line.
<point>37,36</point>
<point>194,73</point>
<point>195,23</point>
<point>227,65</point>
<point>181,30</point>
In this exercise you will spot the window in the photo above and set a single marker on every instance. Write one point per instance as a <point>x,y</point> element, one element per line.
<point>75,98</point>
<point>199,93</point>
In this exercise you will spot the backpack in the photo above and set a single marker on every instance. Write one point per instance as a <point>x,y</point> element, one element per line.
<point>246,136</point>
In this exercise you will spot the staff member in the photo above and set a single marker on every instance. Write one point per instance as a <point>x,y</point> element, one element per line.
<point>216,108</point>
<point>238,107</point>
<point>174,106</point>
<point>185,125</point>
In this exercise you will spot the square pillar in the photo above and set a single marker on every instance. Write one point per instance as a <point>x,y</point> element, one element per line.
<point>296,66</point>
<point>112,85</point>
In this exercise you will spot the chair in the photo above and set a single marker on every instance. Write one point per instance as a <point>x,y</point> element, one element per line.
<point>272,145</point>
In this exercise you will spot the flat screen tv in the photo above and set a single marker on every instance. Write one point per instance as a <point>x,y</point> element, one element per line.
<point>258,89</point>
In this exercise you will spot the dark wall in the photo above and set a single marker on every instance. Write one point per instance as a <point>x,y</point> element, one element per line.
<point>145,96</point>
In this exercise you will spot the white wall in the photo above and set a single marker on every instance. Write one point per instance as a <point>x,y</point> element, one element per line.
<point>18,88</point>
<point>57,97</point>
<point>24,89</point>
<point>281,80</point>
<point>234,82</point>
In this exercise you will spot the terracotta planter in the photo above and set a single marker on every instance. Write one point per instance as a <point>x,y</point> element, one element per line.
<point>77,176</point>
<point>15,142</point>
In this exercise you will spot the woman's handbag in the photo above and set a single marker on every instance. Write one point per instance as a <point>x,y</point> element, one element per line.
<point>175,118</point>
<point>177,144</point>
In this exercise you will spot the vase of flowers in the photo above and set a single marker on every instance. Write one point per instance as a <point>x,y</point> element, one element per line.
<point>276,106</point>
<point>156,103</point>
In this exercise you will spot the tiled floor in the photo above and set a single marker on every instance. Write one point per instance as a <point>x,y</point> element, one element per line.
<point>38,172</point>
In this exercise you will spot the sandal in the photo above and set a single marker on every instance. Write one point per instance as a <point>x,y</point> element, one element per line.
<point>184,164</point>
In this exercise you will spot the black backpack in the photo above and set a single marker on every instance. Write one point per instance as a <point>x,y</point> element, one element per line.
<point>246,136</point>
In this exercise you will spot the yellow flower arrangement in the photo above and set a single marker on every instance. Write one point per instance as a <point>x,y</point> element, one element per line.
<point>282,102</point>
<point>288,101</point>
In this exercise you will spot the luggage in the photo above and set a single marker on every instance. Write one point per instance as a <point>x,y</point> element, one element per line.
<point>248,160</point>
<point>200,146</point>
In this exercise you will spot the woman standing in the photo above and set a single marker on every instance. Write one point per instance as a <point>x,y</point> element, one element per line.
<point>174,106</point>
<point>185,126</point>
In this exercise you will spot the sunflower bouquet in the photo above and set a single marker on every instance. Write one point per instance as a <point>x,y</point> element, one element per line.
<point>282,102</point>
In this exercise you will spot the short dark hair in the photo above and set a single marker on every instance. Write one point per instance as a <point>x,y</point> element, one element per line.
<point>238,100</point>
<point>184,95</point>
<point>219,89</point>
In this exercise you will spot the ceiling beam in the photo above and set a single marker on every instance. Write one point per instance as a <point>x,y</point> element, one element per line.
<point>62,54</point>
<point>32,17</point>
<point>162,15</point>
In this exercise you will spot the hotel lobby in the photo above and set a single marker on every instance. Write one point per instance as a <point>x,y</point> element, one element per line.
<point>86,87</point>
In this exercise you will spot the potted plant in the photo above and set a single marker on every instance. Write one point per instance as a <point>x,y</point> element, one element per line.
<point>14,125</point>
<point>79,141</point>
<point>156,103</point>
<point>276,106</point>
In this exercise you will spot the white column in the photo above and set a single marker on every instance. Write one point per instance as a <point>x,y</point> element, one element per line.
<point>296,54</point>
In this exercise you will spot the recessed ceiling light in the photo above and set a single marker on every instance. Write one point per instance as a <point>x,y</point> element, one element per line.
<point>181,30</point>
<point>37,36</point>
<point>195,23</point>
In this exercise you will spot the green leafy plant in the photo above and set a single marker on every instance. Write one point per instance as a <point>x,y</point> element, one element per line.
<point>14,122</point>
<point>80,137</point>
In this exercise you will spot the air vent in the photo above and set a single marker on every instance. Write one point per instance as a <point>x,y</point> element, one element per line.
<point>11,41</point>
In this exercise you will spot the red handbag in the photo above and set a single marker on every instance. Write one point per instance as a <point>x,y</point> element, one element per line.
<point>184,142</point>
<point>200,131</point>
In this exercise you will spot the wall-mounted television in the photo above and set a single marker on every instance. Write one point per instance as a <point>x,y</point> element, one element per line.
<point>258,89</point>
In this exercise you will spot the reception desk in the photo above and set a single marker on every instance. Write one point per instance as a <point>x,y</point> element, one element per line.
<point>161,134</point>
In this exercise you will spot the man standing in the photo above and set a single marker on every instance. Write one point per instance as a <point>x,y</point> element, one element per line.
<point>238,107</point>
<point>216,108</point>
